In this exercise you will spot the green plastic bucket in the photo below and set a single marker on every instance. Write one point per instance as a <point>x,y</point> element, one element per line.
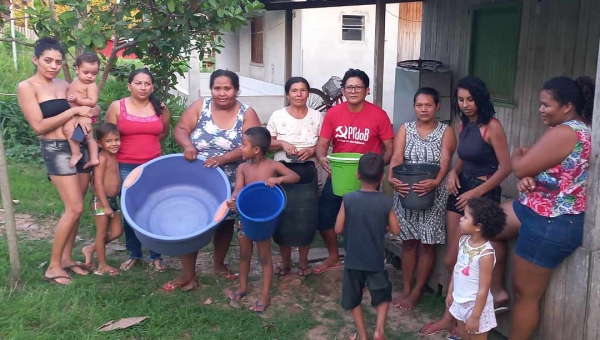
<point>344,166</point>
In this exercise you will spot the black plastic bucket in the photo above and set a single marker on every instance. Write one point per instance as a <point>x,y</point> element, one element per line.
<point>298,221</point>
<point>414,173</point>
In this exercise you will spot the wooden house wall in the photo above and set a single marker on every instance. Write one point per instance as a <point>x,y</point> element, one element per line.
<point>558,37</point>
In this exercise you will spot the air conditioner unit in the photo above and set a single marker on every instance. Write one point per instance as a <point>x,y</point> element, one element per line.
<point>414,74</point>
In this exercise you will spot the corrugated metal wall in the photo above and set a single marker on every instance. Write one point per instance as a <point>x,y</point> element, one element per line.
<point>558,37</point>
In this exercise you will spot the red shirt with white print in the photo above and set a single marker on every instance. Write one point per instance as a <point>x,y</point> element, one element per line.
<point>359,132</point>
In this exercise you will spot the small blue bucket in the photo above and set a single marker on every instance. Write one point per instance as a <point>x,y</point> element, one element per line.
<point>259,207</point>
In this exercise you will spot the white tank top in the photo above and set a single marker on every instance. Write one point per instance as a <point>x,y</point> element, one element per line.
<point>466,270</point>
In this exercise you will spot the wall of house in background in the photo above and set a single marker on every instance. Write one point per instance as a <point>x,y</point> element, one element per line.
<point>325,53</point>
<point>556,38</point>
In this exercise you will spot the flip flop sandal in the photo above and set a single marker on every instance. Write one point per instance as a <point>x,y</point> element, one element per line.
<point>53,280</point>
<point>353,336</point>
<point>111,273</point>
<point>235,296</point>
<point>422,330</point>
<point>303,272</point>
<point>282,271</point>
<point>79,265</point>
<point>172,285</point>
<point>500,310</point>
<point>127,265</point>
<point>189,287</point>
<point>318,271</point>
<point>228,275</point>
<point>258,305</point>
<point>157,267</point>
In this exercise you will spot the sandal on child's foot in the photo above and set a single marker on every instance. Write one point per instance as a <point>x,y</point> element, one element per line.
<point>281,271</point>
<point>236,296</point>
<point>304,271</point>
<point>127,265</point>
<point>157,265</point>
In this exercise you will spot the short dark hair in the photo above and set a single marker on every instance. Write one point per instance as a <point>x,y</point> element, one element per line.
<point>428,91</point>
<point>235,80</point>
<point>259,136</point>
<point>47,43</point>
<point>481,96</point>
<point>579,92</point>
<point>295,80</point>
<point>87,57</point>
<point>352,73</point>
<point>370,167</point>
<point>105,129</point>
<point>489,215</point>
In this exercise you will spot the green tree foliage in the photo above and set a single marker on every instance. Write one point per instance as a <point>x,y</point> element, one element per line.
<point>160,32</point>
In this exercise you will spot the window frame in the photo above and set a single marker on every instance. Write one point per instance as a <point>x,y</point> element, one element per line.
<point>509,102</point>
<point>257,37</point>
<point>362,28</point>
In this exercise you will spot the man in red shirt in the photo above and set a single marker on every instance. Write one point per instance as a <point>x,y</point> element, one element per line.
<point>353,126</point>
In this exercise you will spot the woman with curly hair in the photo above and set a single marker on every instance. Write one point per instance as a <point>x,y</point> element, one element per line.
<point>483,163</point>
<point>548,216</point>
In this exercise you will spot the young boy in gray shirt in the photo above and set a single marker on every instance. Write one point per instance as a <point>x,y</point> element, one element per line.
<point>365,217</point>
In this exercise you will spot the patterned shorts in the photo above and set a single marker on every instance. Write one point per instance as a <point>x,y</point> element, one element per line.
<point>462,312</point>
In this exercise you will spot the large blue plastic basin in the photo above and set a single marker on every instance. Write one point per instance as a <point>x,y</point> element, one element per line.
<point>259,207</point>
<point>174,205</point>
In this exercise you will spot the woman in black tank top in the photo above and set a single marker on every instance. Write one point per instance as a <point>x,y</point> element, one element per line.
<point>42,98</point>
<point>483,163</point>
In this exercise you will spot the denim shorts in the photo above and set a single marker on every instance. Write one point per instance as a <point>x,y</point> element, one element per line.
<point>469,183</point>
<point>57,154</point>
<point>547,241</point>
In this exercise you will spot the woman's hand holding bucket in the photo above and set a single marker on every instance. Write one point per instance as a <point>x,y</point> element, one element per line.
<point>401,188</point>
<point>425,186</point>
<point>190,153</point>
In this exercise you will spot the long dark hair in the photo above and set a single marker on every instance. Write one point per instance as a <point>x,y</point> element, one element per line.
<point>155,102</point>
<point>481,96</point>
<point>579,92</point>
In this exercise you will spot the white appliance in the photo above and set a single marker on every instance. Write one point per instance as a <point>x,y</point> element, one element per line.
<point>414,74</point>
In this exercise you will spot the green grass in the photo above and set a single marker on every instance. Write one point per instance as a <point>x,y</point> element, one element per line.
<point>42,311</point>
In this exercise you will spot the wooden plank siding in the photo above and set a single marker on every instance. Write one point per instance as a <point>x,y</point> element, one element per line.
<point>558,37</point>
<point>410,15</point>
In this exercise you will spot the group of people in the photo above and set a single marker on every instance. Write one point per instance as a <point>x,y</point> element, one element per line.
<point>220,131</point>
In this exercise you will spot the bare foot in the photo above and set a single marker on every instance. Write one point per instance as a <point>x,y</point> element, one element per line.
<point>436,327</point>
<point>91,163</point>
<point>398,299</point>
<point>75,267</point>
<point>74,159</point>
<point>410,301</point>
<point>378,335</point>
<point>88,252</point>
<point>58,276</point>
<point>107,270</point>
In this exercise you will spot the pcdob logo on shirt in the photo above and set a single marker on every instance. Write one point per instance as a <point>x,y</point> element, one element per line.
<point>352,134</point>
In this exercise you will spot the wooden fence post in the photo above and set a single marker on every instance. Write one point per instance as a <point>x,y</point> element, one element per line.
<point>9,217</point>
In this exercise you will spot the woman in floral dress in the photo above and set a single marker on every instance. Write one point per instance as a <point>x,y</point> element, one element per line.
<point>548,216</point>
<point>211,130</point>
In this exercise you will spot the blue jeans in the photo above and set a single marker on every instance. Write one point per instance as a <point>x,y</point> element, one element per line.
<point>132,243</point>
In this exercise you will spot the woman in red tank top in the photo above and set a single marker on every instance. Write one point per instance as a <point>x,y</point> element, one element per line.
<point>143,122</point>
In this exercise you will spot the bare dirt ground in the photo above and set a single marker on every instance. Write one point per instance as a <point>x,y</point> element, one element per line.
<point>293,294</point>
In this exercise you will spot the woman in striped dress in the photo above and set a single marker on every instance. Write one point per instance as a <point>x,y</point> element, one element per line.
<point>422,141</point>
